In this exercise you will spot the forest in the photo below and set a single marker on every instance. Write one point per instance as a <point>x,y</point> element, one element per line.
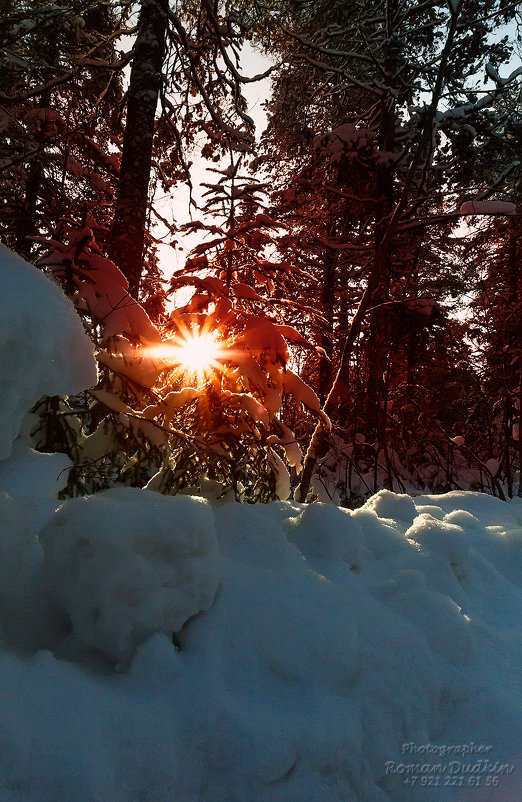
<point>260,251</point>
<point>348,317</point>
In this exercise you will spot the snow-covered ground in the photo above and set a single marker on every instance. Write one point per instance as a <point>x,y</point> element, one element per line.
<point>322,655</point>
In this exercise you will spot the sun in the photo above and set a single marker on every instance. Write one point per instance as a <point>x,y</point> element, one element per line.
<point>198,353</point>
<point>193,353</point>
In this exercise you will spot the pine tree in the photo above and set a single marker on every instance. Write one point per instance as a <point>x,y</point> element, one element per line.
<point>236,300</point>
<point>127,238</point>
<point>62,85</point>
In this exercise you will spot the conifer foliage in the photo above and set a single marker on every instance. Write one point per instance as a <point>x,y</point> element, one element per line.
<point>192,403</point>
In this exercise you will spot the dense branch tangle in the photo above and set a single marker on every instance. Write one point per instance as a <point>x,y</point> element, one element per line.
<point>379,156</point>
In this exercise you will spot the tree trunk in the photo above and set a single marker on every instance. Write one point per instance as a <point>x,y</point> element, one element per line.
<point>27,222</point>
<point>327,332</point>
<point>319,442</point>
<point>130,215</point>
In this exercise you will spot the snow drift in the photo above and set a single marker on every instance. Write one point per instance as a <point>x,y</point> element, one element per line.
<point>337,645</point>
<point>43,347</point>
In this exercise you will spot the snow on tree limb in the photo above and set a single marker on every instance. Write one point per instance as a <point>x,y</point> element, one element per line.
<point>487,207</point>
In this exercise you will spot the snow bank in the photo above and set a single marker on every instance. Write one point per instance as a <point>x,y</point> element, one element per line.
<point>128,562</point>
<point>43,347</point>
<point>26,620</point>
<point>344,654</point>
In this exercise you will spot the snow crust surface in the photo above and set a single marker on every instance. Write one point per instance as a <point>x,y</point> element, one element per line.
<point>43,347</point>
<point>336,641</point>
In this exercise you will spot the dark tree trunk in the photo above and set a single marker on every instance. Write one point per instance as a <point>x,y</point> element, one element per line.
<point>130,216</point>
<point>375,428</point>
<point>27,222</point>
<point>327,333</point>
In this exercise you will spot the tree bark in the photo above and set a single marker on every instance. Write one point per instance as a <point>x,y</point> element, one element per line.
<point>327,333</point>
<point>130,216</point>
<point>27,222</point>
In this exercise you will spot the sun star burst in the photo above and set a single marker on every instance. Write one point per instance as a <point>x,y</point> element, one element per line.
<point>193,353</point>
<point>198,353</point>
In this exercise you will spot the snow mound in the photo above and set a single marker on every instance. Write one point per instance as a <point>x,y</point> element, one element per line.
<point>392,505</point>
<point>340,638</point>
<point>43,347</point>
<point>127,563</point>
<point>32,477</point>
<point>25,620</point>
<point>13,543</point>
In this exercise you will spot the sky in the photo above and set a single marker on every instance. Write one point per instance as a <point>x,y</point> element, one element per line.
<point>175,205</point>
